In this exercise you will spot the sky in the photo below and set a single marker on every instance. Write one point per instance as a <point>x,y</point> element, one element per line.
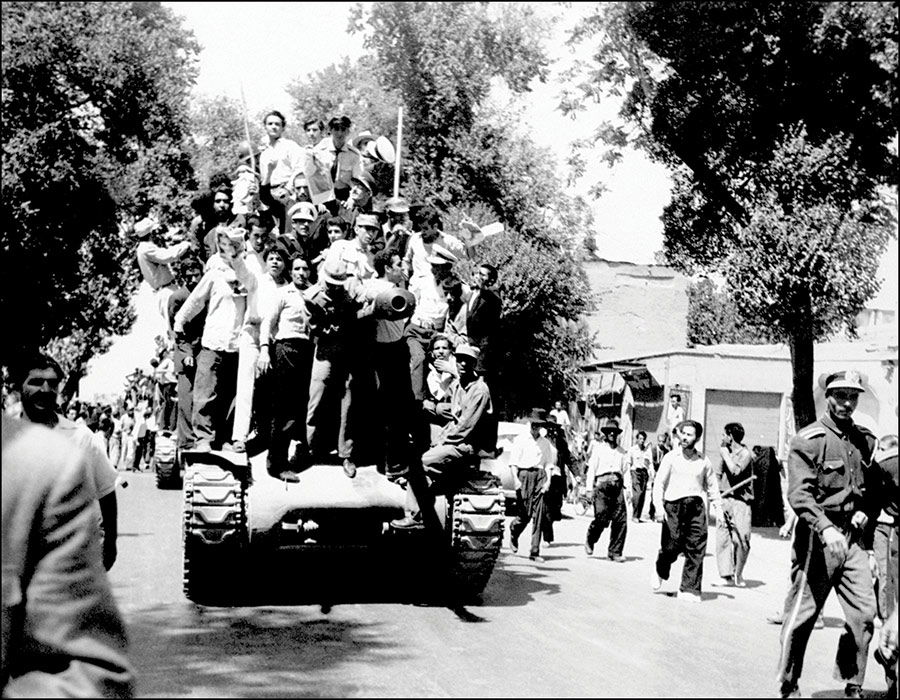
<point>264,45</point>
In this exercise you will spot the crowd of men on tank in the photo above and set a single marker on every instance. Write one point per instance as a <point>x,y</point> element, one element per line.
<point>309,309</point>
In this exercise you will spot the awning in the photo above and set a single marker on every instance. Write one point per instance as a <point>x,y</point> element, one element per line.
<point>602,383</point>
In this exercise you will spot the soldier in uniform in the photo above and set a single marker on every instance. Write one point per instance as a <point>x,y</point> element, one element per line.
<point>829,470</point>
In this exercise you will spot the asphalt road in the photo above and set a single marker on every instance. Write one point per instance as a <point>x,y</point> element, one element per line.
<point>570,626</point>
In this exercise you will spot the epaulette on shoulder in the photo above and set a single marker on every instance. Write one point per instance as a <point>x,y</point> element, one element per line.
<point>811,431</point>
<point>865,431</point>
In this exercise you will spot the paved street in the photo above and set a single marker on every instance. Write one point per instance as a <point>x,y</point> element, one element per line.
<point>571,626</point>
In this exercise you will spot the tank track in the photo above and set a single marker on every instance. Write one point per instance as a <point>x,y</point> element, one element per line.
<point>476,536</point>
<point>166,463</point>
<point>214,534</point>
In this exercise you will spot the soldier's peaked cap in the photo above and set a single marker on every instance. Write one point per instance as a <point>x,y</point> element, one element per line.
<point>845,379</point>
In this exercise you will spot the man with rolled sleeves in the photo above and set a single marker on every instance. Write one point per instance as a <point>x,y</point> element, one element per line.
<point>606,478</point>
<point>830,485</point>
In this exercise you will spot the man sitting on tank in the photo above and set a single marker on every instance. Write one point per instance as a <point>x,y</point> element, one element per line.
<point>473,430</point>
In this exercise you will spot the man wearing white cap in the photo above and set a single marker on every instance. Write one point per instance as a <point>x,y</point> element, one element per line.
<point>302,240</point>
<point>831,487</point>
<point>154,262</point>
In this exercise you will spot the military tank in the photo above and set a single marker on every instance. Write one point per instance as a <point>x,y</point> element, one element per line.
<point>237,518</point>
<point>165,461</point>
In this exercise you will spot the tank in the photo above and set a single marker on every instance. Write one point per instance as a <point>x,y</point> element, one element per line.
<point>238,518</point>
<point>165,461</point>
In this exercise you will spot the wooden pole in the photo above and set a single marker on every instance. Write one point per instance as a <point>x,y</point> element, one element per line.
<point>247,131</point>
<point>399,146</point>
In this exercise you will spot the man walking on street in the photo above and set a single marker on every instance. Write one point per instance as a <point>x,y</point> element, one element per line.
<point>828,474</point>
<point>531,459</point>
<point>640,460</point>
<point>683,478</point>
<point>733,535</point>
<point>606,477</point>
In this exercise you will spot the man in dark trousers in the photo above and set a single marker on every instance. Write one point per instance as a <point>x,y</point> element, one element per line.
<point>606,477</point>
<point>532,460</point>
<point>187,347</point>
<point>830,487</point>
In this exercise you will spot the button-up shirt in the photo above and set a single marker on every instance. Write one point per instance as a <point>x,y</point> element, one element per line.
<point>640,458</point>
<point>288,157</point>
<point>353,256</point>
<point>349,160</point>
<point>528,453</point>
<point>223,290</point>
<point>288,317</point>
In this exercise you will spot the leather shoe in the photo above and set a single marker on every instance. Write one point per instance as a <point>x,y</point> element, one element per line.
<point>588,549</point>
<point>853,690</point>
<point>238,446</point>
<point>349,468</point>
<point>616,558</point>
<point>536,557</point>
<point>408,523</point>
<point>289,476</point>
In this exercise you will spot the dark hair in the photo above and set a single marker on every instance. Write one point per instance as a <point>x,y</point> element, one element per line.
<point>435,338</point>
<point>342,122</point>
<point>640,433</point>
<point>313,121</point>
<point>33,361</point>
<point>676,396</point>
<point>426,217</point>
<point>383,260</point>
<point>216,180</point>
<point>275,113</point>
<point>735,430</point>
<point>222,188</point>
<point>491,268</point>
<point>280,252</point>
<point>337,221</point>
<point>451,284</point>
<point>697,427</point>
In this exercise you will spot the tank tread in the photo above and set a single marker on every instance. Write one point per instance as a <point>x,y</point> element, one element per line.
<point>166,462</point>
<point>215,527</point>
<point>476,537</point>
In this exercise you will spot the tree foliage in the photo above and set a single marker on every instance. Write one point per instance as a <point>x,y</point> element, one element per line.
<point>439,61</point>
<point>94,118</point>
<point>776,120</point>
<point>713,317</point>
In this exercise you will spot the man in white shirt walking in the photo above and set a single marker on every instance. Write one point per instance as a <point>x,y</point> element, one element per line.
<point>684,477</point>
<point>532,460</point>
<point>609,480</point>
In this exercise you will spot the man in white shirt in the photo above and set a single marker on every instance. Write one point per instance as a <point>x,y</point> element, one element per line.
<point>279,161</point>
<point>154,262</point>
<point>674,415</point>
<point>640,461</point>
<point>561,415</point>
<point>338,155</point>
<point>38,381</point>
<point>684,479</point>
<point>428,239</point>
<point>531,460</point>
<point>609,480</point>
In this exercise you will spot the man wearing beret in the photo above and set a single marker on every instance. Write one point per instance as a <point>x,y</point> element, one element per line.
<point>832,489</point>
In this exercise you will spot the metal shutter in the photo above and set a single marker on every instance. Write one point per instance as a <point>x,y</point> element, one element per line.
<point>757,411</point>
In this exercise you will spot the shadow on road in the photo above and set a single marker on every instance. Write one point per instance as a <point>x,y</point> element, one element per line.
<point>253,652</point>
<point>512,587</point>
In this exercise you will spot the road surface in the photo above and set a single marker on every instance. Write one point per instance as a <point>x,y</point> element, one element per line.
<point>571,626</point>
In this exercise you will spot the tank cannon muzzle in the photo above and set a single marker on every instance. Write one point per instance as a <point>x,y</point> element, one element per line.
<point>394,304</point>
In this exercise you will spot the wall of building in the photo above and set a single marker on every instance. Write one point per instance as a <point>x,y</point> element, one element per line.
<point>639,308</point>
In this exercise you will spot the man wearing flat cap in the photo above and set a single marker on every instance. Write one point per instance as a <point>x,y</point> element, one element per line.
<point>832,488</point>
<point>607,475</point>
<point>531,458</point>
<point>455,451</point>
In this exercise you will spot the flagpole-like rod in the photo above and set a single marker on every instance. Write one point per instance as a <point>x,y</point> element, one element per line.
<point>399,147</point>
<point>247,130</point>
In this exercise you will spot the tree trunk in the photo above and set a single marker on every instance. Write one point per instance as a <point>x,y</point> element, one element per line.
<point>802,359</point>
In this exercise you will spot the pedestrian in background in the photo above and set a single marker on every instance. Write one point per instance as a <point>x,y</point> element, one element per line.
<point>733,528</point>
<point>684,477</point>
<point>608,479</point>
<point>531,460</point>
<point>640,462</point>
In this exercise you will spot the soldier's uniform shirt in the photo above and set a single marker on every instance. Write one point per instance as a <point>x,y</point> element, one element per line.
<point>827,474</point>
<point>829,479</point>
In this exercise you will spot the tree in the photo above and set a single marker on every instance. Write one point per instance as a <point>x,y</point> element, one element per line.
<point>216,128</point>
<point>94,104</point>
<point>725,94</point>
<point>439,60</point>
<point>713,318</point>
